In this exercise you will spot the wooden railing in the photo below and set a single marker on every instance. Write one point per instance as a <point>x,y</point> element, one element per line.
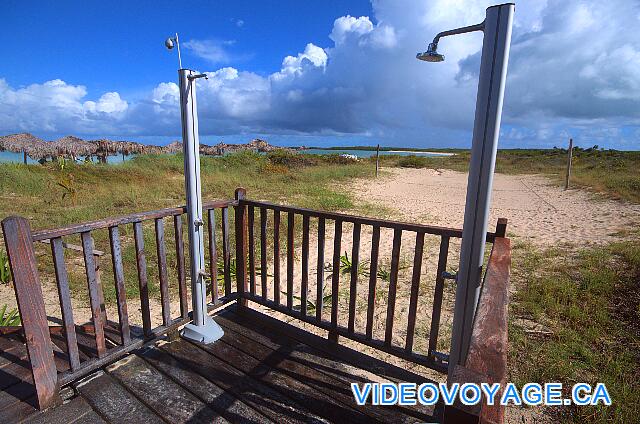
<point>271,215</point>
<point>259,279</point>
<point>19,241</point>
<point>486,360</point>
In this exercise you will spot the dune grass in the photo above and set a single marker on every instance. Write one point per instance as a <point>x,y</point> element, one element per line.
<point>51,197</point>
<point>589,308</point>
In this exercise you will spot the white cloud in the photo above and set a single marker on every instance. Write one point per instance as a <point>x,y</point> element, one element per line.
<point>313,56</point>
<point>214,51</point>
<point>108,103</point>
<point>56,106</point>
<point>574,66</point>
<point>346,26</point>
<point>166,92</point>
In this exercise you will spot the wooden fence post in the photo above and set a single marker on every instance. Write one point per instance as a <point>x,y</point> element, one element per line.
<point>377,160</point>
<point>96,262</point>
<point>569,159</point>
<point>26,283</point>
<point>501,227</point>
<point>241,246</point>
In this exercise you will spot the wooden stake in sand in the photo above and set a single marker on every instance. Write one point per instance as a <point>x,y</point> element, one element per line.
<point>377,159</point>
<point>569,158</point>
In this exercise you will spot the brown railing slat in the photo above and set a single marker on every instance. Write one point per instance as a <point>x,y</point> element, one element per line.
<point>263,252</point>
<point>437,298</point>
<point>121,220</point>
<point>26,283</point>
<point>57,251</point>
<point>118,277</point>
<point>252,250</point>
<point>320,265</point>
<point>241,246</point>
<point>304,286</point>
<point>226,251</point>
<point>162,271</point>
<point>94,296</point>
<point>415,286</point>
<point>486,360</point>
<point>213,254</point>
<point>406,226</point>
<point>393,285</point>
<point>96,265</point>
<point>182,282</point>
<point>335,276</point>
<point>291,223</point>
<point>141,261</point>
<point>373,279</point>
<point>353,288</point>
<point>276,256</point>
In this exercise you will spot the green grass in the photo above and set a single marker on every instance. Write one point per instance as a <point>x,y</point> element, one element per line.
<point>51,196</point>
<point>154,181</point>
<point>588,304</point>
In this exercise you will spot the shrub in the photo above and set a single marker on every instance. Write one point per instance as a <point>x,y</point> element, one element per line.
<point>413,162</point>
<point>291,159</point>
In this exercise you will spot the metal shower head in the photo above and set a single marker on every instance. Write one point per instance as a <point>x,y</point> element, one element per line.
<point>431,55</point>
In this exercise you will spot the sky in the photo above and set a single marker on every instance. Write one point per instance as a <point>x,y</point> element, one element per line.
<point>318,73</point>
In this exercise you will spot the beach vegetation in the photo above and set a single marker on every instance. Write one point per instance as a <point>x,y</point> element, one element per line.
<point>576,318</point>
<point>5,270</point>
<point>9,318</point>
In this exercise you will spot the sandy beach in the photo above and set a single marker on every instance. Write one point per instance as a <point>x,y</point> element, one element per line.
<point>538,210</point>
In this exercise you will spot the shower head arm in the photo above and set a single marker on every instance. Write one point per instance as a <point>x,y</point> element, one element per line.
<point>471,28</point>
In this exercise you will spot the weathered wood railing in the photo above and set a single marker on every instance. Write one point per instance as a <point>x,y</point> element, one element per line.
<point>258,279</point>
<point>19,241</point>
<point>486,360</point>
<point>432,359</point>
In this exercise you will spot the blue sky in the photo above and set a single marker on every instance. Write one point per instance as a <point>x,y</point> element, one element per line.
<point>318,72</point>
<point>118,45</point>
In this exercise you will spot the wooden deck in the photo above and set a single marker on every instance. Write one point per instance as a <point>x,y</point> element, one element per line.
<point>263,370</point>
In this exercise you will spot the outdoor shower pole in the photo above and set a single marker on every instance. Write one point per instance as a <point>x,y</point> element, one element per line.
<point>486,129</point>
<point>202,328</point>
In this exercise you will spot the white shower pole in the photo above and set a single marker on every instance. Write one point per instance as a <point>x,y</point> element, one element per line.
<point>202,329</point>
<point>486,129</point>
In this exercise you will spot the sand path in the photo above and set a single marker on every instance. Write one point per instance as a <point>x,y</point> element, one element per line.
<point>538,210</point>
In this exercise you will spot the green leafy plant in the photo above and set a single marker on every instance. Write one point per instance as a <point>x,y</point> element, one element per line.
<point>62,162</point>
<point>384,273</point>
<point>346,265</point>
<point>10,318</point>
<point>311,306</point>
<point>69,188</point>
<point>5,271</point>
